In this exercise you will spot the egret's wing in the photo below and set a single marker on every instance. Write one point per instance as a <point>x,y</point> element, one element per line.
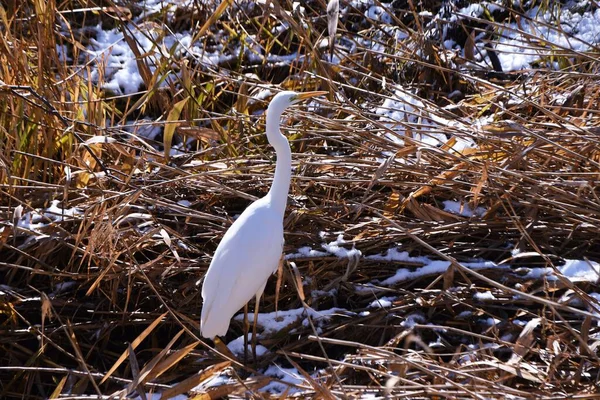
<point>244,260</point>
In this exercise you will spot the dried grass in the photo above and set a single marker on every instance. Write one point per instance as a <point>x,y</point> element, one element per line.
<point>95,293</point>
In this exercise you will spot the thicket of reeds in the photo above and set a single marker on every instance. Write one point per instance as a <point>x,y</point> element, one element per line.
<point>104,302</point>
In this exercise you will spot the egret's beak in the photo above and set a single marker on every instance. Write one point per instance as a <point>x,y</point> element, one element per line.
<point>308,95</point>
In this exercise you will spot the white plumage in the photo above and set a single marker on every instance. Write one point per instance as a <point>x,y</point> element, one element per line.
<point>251,249</point>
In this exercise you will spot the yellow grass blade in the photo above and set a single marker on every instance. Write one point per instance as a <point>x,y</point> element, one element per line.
<point>172,122</point>
<point>188,384</point>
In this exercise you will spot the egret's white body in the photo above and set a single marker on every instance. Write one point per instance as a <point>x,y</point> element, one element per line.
<point>251,249</point>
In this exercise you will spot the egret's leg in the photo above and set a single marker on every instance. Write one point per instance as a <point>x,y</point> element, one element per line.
<point>246,329</point>
<point>254,328</point>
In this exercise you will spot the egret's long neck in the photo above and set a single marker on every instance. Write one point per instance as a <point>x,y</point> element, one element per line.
<point>283,169</point>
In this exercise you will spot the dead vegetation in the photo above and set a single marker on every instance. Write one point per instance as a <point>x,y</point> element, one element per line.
<point>102,300</point>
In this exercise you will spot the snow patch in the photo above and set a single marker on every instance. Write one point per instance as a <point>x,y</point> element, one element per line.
<point>463,209</point>
<point>278,320</point>
<point>383,302</point>
<point>484,296</point>
<point>236,346</point>
<point>288,377</point>
<point>574,270</point>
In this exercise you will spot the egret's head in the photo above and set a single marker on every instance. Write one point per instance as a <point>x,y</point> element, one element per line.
<point>286,98</point>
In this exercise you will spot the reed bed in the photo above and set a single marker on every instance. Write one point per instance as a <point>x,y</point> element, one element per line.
<point>100,299</point>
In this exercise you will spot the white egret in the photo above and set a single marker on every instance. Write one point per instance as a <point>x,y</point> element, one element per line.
<point>251,249</point>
